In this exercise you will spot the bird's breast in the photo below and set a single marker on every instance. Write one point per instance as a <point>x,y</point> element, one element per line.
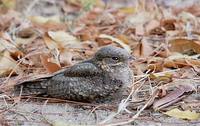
<point>125,75</point>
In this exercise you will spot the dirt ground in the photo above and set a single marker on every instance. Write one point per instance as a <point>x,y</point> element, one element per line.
<point>63,114</point>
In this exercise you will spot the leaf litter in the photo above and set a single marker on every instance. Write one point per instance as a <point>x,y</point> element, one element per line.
<point>40,38</point>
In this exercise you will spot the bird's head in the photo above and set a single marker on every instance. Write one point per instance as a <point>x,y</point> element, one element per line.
<point>112,56</point>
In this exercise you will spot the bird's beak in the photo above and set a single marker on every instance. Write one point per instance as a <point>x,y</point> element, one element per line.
<point>131,58</point>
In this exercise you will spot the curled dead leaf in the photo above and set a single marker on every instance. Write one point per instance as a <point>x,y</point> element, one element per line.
<point>168,24</point>
<point>173,97</point>
<point>179,60</point>
<point>156,66</point>
<point>158,31</point>
<point>117,41</point>
<point>184,45</point>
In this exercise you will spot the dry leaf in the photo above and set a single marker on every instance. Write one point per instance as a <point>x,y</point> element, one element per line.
<point>26,36</point>
<point>61,123</point>
<point>9,3</point>
<point>156,67</point>
<point>168,24</point>
<point>6,45</point>
<point>158,31</point>
<point>106,19</point>
<point>143,49</point>
<point>7,64</point>
<point>43,20</point>
<point>62,39</point>
<point>32,51</point>
<point>127,10</point>
<point>172,97</point>
<point>190,115</point>
<point>27,33</point>
<point>123,38</point>
<point>51,44</point>
<point>139,18</point>
<point>49,64</point>
<point>117,41</point>
<point>48,23</point>
<point>178,60</point>
<point>138,21</point>
<point>164,78</point>
<point>184,45</point>
<point>65,57</point>
<point>152,25</point>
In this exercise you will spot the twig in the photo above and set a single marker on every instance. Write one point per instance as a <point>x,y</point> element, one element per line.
<point>123,103</point>
<point>137,114</point>
<point>30,7</point>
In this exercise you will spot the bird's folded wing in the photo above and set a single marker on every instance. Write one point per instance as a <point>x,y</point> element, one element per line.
<point>82,69</point>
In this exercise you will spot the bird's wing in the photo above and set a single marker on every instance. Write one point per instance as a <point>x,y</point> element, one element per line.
<point>82,69</point>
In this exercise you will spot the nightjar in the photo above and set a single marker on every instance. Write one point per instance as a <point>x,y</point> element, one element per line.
<point>97,78</point>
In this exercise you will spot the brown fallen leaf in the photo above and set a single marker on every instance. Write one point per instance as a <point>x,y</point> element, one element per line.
<point>178,60</point>
<point>168,24</point>
<point>158,31</point>
<point>47,23</point>
<point>184,45</point>
<point>156,66</point>
<point>32,51</point>
<point>50,66</point>
<point>123,38</point>
<point>172,97</point>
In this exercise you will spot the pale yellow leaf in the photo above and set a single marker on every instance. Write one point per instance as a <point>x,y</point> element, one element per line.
<point>7,64</point>
<point>190,115</point>
<point>9,3</point>
<point>62,38</point>
<point>127,10</point>
<point>60,123</point>
<point>42,20</point>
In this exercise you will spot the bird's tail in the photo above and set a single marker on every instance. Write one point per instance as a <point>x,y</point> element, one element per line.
<point>30,88</point>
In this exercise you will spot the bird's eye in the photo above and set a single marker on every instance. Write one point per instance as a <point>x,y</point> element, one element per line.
<point>115,58</point>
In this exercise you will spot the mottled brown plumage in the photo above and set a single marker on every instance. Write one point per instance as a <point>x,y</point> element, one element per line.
<point>90,80</point>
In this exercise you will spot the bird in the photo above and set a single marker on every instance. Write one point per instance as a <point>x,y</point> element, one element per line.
<point>94,79</point>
